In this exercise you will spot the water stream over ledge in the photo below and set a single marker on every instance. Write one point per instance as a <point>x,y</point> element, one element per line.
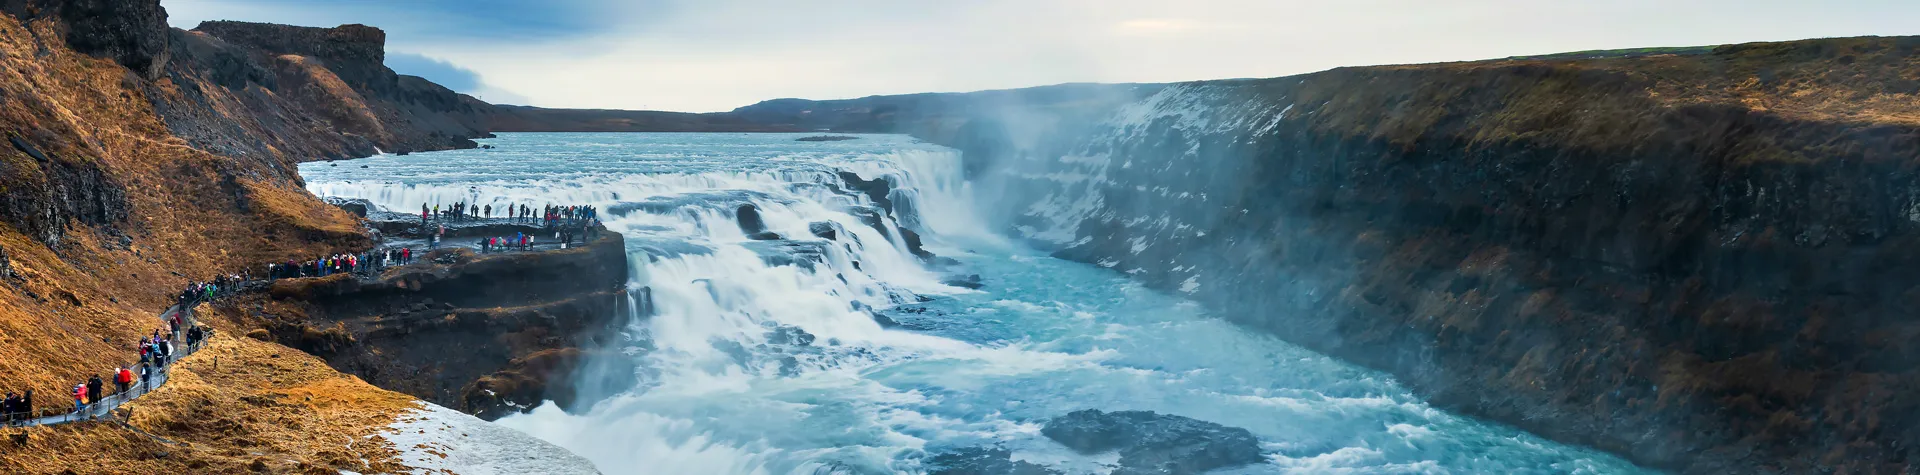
<point>729,385</point>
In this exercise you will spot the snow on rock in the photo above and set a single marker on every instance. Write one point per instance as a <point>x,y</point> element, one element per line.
<point>437,440</point>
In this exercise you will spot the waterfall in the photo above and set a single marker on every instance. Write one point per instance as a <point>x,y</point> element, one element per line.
<point>765,355</point>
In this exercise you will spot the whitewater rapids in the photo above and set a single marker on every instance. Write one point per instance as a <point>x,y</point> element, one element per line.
<point>727,388</point>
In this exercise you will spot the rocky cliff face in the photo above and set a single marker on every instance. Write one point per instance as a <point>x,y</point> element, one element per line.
<point>132,33</point>
<point>1701,262</point>
<point>486,334</point>
<point>138,158</point>
<point>256,89</point>
<point>107,214</point>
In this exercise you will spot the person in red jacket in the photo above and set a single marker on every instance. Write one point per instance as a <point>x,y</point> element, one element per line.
<point>122,379</point>
<point>79,398</point>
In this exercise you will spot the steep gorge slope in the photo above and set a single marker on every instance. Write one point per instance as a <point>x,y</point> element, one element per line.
<point>138,158</point>
<point>1703,262</point>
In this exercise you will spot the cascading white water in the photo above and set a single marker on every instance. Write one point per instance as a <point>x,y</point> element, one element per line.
<point>729,386</point>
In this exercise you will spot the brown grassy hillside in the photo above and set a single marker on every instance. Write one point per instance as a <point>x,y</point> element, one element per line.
<point>81,292</point>
<point>110,213</point>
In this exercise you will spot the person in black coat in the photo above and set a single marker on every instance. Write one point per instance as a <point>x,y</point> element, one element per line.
<point>94,388</point>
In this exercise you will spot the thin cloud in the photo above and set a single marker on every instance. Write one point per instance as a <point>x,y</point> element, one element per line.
<point>1157,26</point>
<point>708,55</point>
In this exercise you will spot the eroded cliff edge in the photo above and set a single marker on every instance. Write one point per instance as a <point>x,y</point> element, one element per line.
<point>138,158</point>
<point>487,334</point>
<point>1702,262</point>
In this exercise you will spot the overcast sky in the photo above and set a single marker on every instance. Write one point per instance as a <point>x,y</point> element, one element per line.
<point>713,55</point>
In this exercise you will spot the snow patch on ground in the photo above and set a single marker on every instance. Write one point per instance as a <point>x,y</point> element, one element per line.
<point>434,439</point>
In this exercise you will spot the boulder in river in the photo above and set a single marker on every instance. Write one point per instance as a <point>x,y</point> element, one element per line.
<point>749,218</point>
<point>823,230</point>
<point>883,320</point>
<point>969,281</point>
<point>789,335</point>
<point>871,217</point>
<point>359,207</point>
<point>913,244</point>
<point>983,461</point>
<point>1151,443</point>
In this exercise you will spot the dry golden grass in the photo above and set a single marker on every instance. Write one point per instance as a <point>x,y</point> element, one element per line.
<point>237,402</point>
<point>1617,106</point>
<point>77,309</point>
<point>349,106</point>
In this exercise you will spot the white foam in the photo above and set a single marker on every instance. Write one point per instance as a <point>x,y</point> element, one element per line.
<point>434,439</point>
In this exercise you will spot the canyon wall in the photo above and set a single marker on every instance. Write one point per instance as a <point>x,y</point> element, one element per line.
<point>263,90</point>
<point>139,158</point>
<point>488,334</point>
<point>1703,262</point>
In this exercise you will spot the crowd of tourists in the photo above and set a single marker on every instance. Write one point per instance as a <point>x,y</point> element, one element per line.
<point>555,217</point>
<point>157,350</point>
<point>366,263</point>
<point>456,212</point>
<point>550,216</point>
<point>564,236</point>
<point>162,346</point>
<point>220,286</point>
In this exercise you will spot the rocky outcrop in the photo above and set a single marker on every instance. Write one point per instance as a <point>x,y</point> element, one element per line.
<point>489,334</point>
<point>1695,261</point>
<point>133,33</point>
<point>983,461</point>
<point>255,89</point>
<point>45,190</point>
<point>1150,443</point>
<point>357,54</point>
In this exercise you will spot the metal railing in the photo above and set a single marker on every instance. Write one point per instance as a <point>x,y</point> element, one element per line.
<point>105,406</point>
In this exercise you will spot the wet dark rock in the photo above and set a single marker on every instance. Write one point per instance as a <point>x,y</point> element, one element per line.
<point>823,230</point>
<point>789,366</point>
<point>969,281</point>
<point>876,189</point>
<point>749,218</point>
<point>883,320</point>
<point>733,349</point>
<point>871,217</point>
<point>826,138</point>
<point>1151,443</point>
<point>765,236</point>
<point>913,244</point>
<point>983,461</point>
<point>789,335</point>
<point>780,252</point>
<point>358,207</point>
<point>547,375</point>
